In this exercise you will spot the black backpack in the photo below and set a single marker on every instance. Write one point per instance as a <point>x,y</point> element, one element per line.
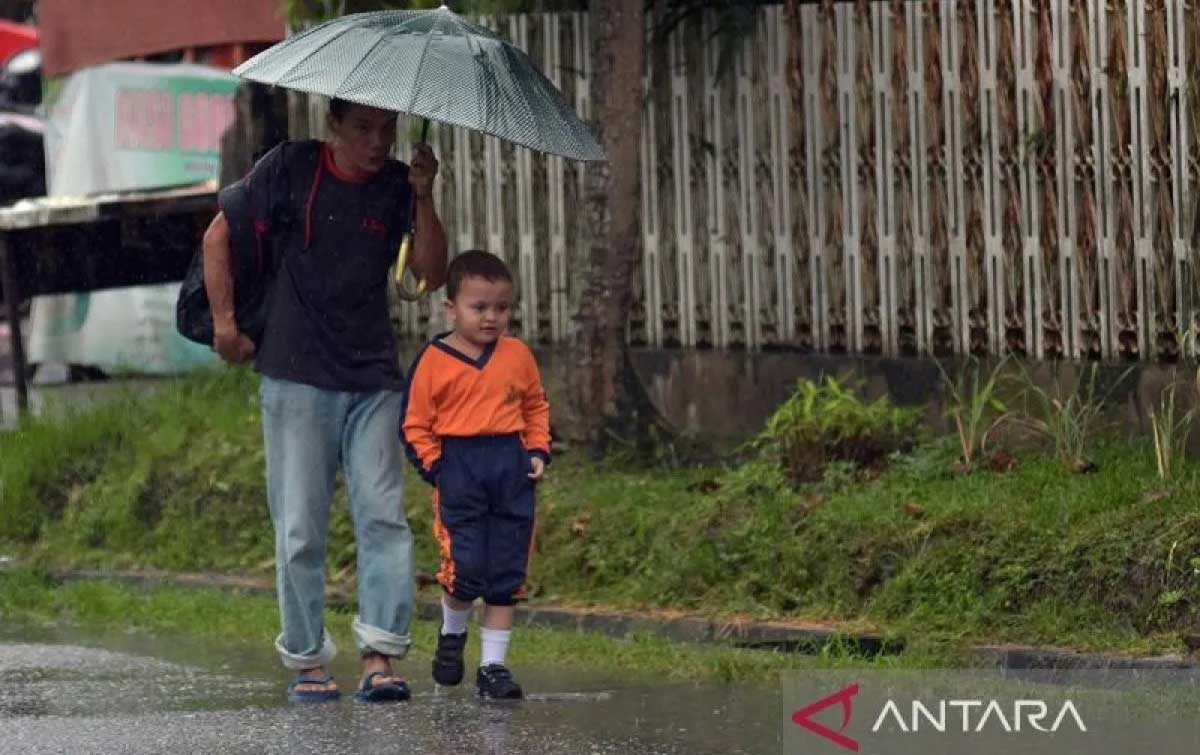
<point>252,263</point>
<point>254,253</point>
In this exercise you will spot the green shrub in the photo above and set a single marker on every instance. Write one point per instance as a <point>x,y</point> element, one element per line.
<point>974,407</point>
<point>1069,414</point>
<point>1171,426</point>
<point>826,421</point>
<point>40,465</point>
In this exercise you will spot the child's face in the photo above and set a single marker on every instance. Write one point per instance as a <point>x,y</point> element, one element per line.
<point>480,311</point>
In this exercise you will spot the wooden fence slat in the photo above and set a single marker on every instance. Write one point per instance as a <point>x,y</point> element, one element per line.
<point>813,141</point>
<point>556,198</point>
<point>747,200</point>
<point>650,219</point>
<point>1068,200</point>
<point>1102,135</point>
<point>1025,41</point>
<point>989,122</point>
<point>779,109</point>
<point>526,267</point>
<point>885,178</point>
<point>1179,104</point>
<point>851,210</point>
<point>1099,262</point>
<point>1140,130</point>
<point>915,51</point>
<point>718,224</point>
<point>682,158</point>
<point>955,174</point>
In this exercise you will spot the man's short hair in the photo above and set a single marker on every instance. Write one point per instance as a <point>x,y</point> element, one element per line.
<point>339,108</point>
<point>475,263</point>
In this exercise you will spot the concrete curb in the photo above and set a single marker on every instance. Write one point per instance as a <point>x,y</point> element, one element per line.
<point>685,629</point>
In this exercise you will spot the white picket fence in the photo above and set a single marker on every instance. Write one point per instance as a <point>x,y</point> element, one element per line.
<point>978,176</point>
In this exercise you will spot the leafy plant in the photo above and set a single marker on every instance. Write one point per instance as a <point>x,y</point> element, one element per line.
<point>1171,429</point>
<point>1067,416</point>
<point>927,463</point>
<point>824,421</point>
<point>839,476</point>
<point>973,406</point>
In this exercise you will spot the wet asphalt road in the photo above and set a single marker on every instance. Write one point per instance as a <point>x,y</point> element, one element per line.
<point>137,694</point>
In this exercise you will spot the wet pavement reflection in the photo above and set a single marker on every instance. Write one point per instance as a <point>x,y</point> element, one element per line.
<point>66,692</point>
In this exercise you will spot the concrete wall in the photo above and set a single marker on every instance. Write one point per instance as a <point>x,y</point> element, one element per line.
<point>726,396</point>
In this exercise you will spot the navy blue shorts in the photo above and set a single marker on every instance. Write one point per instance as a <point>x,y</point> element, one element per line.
<point>483,510</point>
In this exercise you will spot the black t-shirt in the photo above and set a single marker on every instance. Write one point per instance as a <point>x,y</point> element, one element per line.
<point>337,238</point>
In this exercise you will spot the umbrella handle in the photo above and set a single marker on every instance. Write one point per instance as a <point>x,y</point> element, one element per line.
<point>402,290</point>
<point>406,246</point>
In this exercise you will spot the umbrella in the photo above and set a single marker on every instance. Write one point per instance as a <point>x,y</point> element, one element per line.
<point>432,64</point>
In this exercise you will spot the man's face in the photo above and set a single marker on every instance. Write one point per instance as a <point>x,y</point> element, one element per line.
<point>481,310</point>
<point>365,136</point>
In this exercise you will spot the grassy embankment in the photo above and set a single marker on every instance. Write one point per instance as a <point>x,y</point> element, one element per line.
<point>173,479</point>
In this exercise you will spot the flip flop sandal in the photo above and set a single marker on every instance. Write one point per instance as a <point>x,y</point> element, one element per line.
<point>312,695</point>
<point>395,691</point>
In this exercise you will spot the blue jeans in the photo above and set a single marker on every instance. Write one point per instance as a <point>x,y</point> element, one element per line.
<point>309,432</point>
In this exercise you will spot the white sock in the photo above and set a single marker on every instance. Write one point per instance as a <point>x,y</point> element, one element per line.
<point>494,645</point>
<point>454,621</point>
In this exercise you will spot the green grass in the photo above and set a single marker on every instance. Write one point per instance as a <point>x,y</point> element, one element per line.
<point>29,599</point>
<point>1102,561</point>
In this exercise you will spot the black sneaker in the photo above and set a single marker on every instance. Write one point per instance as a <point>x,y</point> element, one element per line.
<point>495,682</point>
<point>448,660</point>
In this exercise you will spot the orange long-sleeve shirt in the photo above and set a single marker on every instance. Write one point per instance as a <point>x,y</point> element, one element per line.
<point>450,394</point>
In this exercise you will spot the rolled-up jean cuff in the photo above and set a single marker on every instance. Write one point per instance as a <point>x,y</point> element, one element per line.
<point>297,662</point>
<point>375,640</point>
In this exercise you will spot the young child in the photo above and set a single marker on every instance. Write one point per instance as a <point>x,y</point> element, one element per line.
<point>477,426</point>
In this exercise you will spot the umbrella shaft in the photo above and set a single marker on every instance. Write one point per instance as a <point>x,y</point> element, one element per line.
<point>412,198</point>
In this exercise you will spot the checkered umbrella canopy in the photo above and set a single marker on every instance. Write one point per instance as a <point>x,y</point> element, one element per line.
<point>432,64</point>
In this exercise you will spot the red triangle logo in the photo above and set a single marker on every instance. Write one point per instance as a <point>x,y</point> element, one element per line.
<point>803,717</point>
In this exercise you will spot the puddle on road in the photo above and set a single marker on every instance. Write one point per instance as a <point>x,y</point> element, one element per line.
<point>71,691</point>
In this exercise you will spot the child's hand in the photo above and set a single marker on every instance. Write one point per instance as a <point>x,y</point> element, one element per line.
<point>539,467</point>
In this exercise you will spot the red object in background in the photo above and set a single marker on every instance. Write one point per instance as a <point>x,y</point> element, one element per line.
<point>77,34</point>
<point>14,38</point>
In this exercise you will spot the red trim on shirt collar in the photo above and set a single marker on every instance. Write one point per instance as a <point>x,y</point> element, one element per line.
<point>332,166</point>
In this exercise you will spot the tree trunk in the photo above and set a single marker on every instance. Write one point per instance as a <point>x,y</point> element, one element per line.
<point>259,123</point>
<point>602,379</point>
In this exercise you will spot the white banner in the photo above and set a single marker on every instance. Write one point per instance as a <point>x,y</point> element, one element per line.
<point>118,127</point>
